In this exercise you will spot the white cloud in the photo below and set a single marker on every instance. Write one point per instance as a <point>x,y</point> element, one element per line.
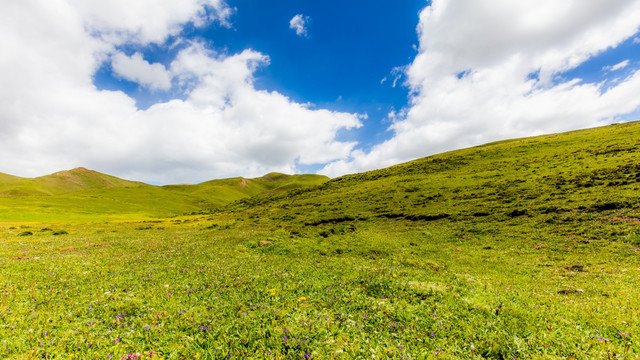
<point>137,69</point>
<point>52,116</point>
<point>145,21</point>
<point>471,82</point>
<point>299,23</point>
<point>619,66</point>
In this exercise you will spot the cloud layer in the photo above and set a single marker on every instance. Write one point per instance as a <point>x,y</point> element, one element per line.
<point>53,117</point>
<point>489,70</point>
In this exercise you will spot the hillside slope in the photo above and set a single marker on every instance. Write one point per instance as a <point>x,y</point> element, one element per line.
<point>225,191</point>
<point>82,194</point>
<point>563,181</point>
<point>62,182</point>
<point>8,178</point>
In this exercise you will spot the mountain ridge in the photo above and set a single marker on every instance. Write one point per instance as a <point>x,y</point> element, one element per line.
<point>82,194</point>
<point>60,182</point>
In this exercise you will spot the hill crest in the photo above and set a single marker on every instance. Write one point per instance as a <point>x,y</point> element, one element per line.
<point>61,182</point>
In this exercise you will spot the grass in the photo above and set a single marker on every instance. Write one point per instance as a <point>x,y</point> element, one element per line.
<point>60,183</point>
<point>88,195</point>
<point>525,249</point>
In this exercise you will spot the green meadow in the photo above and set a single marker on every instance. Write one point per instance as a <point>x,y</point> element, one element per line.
<point>520,249</point>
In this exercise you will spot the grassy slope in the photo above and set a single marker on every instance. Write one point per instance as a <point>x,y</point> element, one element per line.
<point>225,191</point>
<point>62,182</point>
<point>522,249</point>
<point>554,181</point>
<point>8,178</point>
<point>80,179</point>
<point>82,195</point>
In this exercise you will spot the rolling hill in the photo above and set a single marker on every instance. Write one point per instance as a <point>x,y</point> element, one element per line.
<point>61,182</point>
<point>83,194</point>
<point>584,183</point>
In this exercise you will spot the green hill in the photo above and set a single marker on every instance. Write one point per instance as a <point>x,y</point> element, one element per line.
<point>81,195</point>
<point>564,182</point>
<point>79,179</point>
<point>61,182</point>
<point>225,191</point>
<point>8,178</point>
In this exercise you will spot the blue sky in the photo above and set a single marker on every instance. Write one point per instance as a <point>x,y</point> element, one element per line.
<point>190,90</point>
<point>340,64</point>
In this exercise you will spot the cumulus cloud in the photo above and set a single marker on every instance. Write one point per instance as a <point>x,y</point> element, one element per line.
<point>135,68</point>
<point>145,21</point>
<point>53,117</point>
<point>489,70</point>
<point>299,23</point>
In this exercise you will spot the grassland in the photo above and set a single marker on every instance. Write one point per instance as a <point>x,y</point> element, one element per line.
<point>86,195</point>
<point>523,249</point>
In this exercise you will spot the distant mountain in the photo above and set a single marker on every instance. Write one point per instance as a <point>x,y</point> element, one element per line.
<point>224,191</point>
<point>61,182</point>
<point>86,194</point>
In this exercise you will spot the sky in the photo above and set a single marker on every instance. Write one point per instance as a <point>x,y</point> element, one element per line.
<point>184,91</point>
